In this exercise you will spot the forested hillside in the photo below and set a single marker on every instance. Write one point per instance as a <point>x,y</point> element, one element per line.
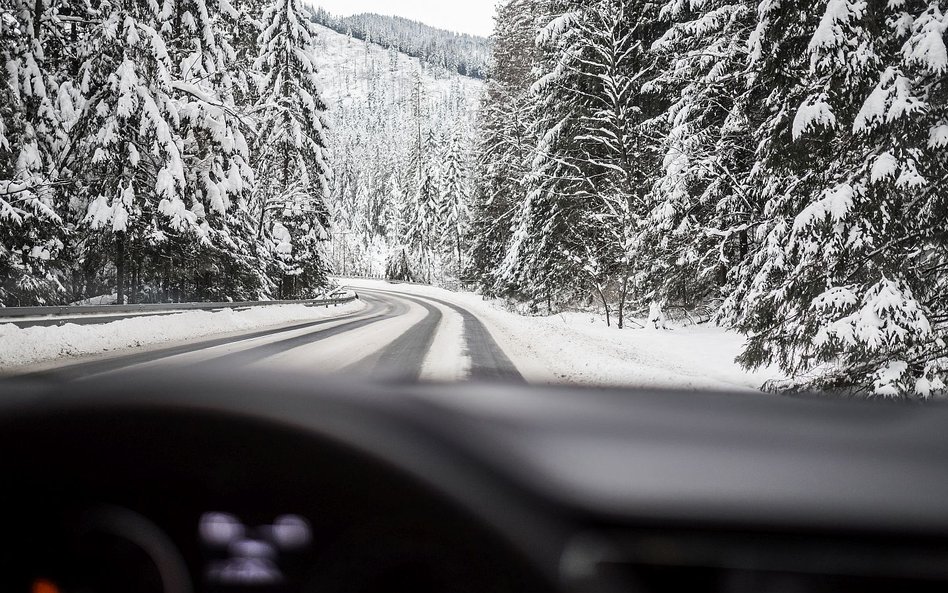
<point>402,150</point>
<point>784,165</point>
<point>161,151</point>
<point>464,54</point>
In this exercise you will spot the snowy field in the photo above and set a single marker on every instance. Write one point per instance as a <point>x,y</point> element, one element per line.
<point>37,345</point>
<point>578,348</point>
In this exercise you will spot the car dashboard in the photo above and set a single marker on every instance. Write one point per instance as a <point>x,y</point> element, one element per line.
<point>259,484</point>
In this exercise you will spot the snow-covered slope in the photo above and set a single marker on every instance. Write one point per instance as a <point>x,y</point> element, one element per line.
<point>395,120</point>
<point>352,70</point>
<point>466,54</point>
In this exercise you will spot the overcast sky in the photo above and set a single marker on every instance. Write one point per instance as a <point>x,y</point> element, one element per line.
<point>465,16</point>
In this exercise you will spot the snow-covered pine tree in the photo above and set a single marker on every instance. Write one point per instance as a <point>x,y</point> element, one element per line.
<point>785,176</point>
<point>424,228</point>
<point>34,100</point>
<point>617,138</point>
<point>395,206</point>
<point>242,26</point>
<point>504,144</point>
<point>453,205</point>
<point>847,288</point>
<point>126,146</point>
<point>398,266</point>
<point>594,158</point>
<point>547,223</point>
<point>159,153</point>
<point>292,161</point>
<point>698,226</point>
<point>218,176</point>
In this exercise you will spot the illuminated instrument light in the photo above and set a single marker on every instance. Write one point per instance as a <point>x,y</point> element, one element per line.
<point>291,532</point>
<point>245,571</point>
<point>251,548</point>
<point>221,529</point>
<point>44,586</point>
<point>253,551</point>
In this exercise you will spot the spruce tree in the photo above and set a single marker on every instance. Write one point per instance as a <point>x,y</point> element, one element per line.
<point>621,158</point>
<point>293,165</point>
<point>453,205</point>
<point>846,287</point>
<point>698,226</point>
<point>547,223</point>
<point>504,144</point>
<point>126,147</point>
<point>34,101</point>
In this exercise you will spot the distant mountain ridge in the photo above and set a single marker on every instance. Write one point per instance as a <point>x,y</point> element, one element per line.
<point>468,55</point>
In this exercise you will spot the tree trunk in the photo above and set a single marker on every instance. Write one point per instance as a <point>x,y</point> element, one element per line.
<point>120,268</point>
<point>605,304</point>
<point>457,237</point>
<point>167,296</point>
<point>263,214</point>
<point>37,19</point>
<point>623,295</point>
<point>136,280</point>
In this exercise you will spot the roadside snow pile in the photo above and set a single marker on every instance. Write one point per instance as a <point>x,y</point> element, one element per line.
<point>20,347</point>
<point>578,348</point>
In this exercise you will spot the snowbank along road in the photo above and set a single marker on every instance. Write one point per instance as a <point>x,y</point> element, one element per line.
<point>396,336</point>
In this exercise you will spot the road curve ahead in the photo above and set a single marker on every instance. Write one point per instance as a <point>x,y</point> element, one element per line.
<point>397,336</point>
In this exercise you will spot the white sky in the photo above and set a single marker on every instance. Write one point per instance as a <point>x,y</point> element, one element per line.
<point>465,16</point>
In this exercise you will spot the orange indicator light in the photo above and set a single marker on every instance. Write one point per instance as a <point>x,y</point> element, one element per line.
<point>44,586</point>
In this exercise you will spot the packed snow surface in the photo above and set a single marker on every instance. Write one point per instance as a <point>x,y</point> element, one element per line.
<point>578,348</point>
<point>20,347</point>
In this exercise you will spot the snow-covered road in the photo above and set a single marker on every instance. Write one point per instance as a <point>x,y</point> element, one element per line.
<point>578,348</point>
<point>396,331</point>
<point>397,336</point>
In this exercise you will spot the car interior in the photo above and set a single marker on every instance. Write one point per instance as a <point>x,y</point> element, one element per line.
<point>159,483</point>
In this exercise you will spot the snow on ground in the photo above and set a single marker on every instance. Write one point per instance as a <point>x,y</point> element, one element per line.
<point>578,348</point>
<point>30,346</point>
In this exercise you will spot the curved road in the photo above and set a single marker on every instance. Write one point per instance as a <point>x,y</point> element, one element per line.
<point>397,336</point>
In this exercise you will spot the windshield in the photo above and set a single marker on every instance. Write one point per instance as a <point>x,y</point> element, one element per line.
<point>718,195</point>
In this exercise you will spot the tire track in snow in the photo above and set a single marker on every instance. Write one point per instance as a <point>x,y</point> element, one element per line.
<point>389,310</point>
<point>404,358</point>
<point>81,370</point>
<point>488,360</point>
